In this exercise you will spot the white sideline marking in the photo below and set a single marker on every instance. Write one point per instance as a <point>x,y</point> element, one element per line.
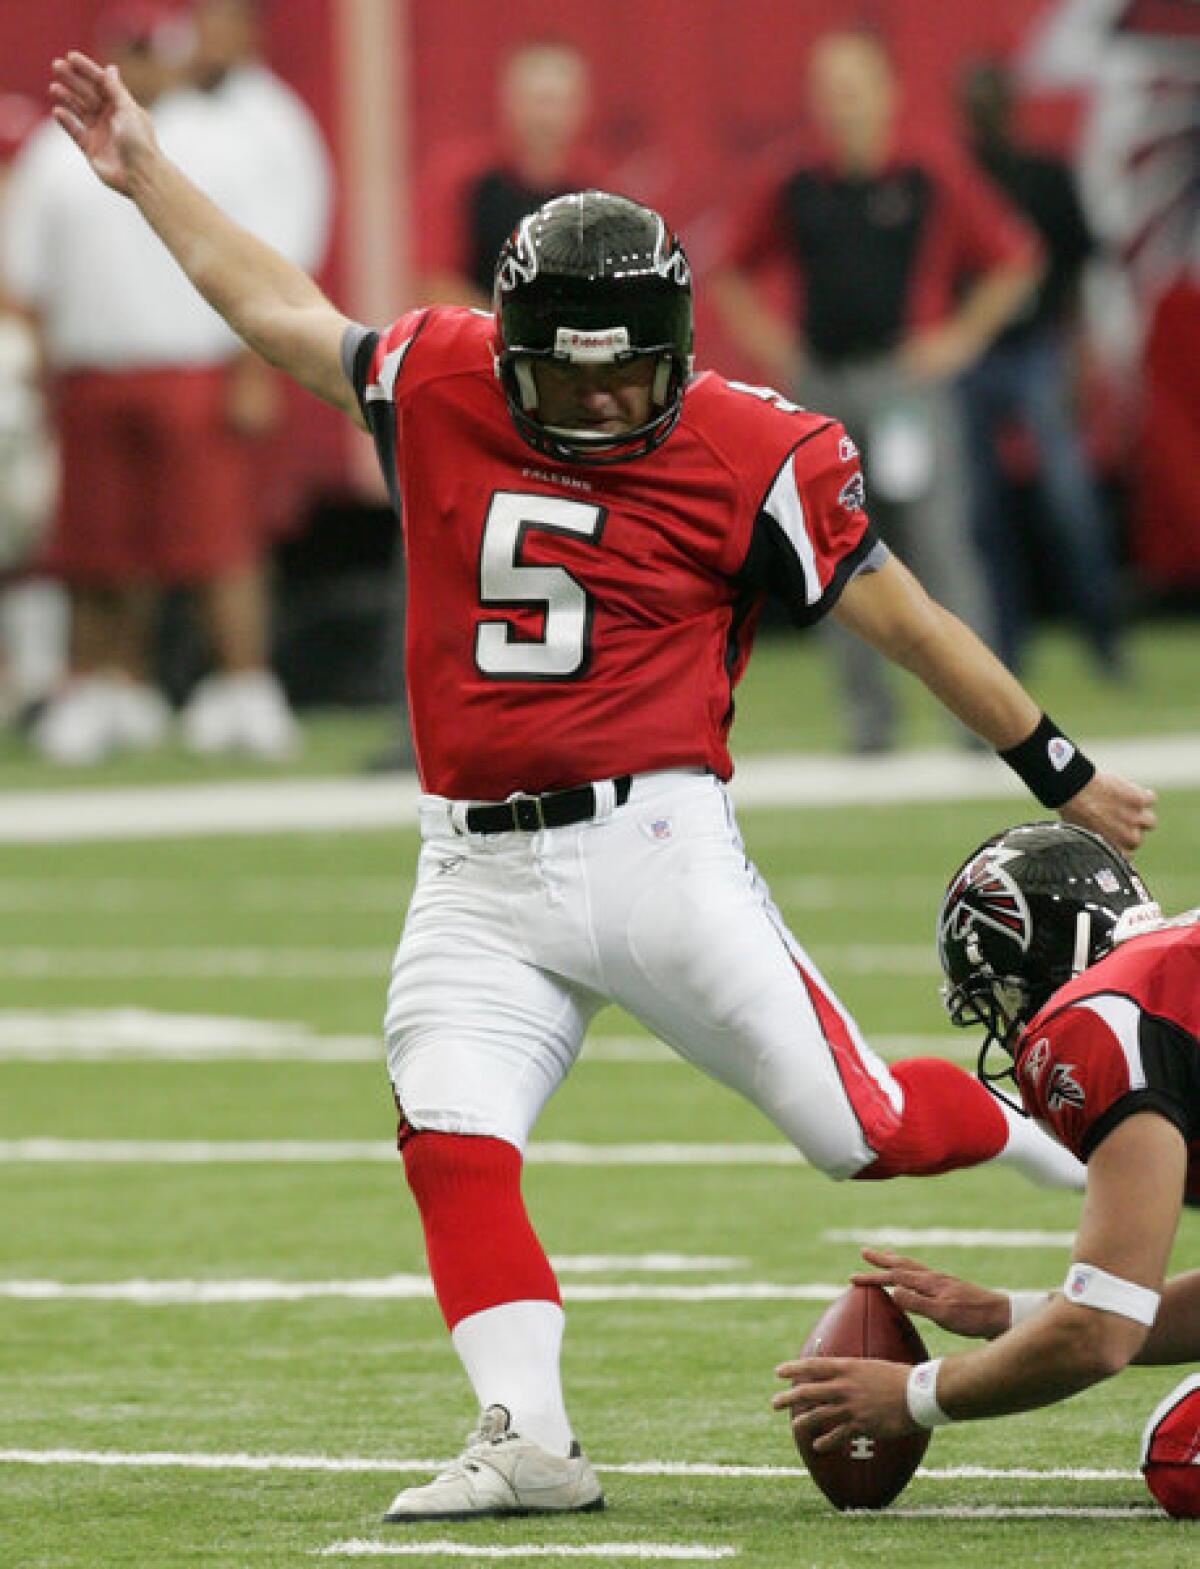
<point>949,1237</point>
<point>359,1547</point>
<point>143,1034</point>
<point>387,1288</point>
<point>1020,1512</point>
<point>206,1152</point>
<point>161,1459</point>
<point>323,963</point>
<point>785,780</point>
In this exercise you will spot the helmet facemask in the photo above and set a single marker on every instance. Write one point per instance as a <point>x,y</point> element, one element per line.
<point>593,278</point>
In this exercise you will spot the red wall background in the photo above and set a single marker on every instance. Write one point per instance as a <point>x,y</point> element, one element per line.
<point>689,93</point>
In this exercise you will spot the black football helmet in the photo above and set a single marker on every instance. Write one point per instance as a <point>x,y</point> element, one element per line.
<point>1024,913</point>
<point>593,278</point>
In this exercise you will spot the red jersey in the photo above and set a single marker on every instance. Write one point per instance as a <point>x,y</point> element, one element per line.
<point>1122,1037</point>
<point>571,622</point>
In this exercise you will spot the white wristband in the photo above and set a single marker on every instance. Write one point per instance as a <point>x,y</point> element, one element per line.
<point>1024,1304</point>
<point>1088,1286</point>
<point>921,1395</point>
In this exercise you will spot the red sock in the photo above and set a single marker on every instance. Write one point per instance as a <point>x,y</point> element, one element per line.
<point>949,1120</point>
<point>482,1250</point>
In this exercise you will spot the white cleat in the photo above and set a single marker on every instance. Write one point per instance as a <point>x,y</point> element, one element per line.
<point>501,1473</point>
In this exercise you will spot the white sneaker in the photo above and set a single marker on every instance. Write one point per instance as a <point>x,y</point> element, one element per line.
<point>500,1473</point>
<point>140,716</point>
<point>247,712</point>
<point>78,727</point>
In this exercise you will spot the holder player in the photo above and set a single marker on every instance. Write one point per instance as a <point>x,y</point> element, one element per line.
<point>1050,940</point>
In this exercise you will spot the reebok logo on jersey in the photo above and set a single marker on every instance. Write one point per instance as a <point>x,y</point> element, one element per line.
<point>1035,1064</point>
<point>1064,1089</point>
<point>847,451</point>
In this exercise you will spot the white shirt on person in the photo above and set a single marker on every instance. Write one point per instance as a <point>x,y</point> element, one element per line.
<point>286,158</point>
<point>108,294</point>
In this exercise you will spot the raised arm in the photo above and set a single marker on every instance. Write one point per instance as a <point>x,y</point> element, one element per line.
<point>892,612</point>
<point>271,304</point>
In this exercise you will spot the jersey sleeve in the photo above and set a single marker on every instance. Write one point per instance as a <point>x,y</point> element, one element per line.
<point>1099,1061</point>
<point>811,533</point>
<point>374,365</point>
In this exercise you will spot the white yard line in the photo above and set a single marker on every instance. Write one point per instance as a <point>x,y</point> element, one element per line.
<point>166,1459</point>
<point>325,805</point>
<point>949,1237</point>
<point>387,1288</point>
<point>646,1552</point>
<point>208,1152</point>
<point>144,1034</point>
<point>325,963</point>
<point>1020,1512</point>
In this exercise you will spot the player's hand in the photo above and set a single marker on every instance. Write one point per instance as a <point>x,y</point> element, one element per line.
<point>1121,811</point>
<point>95,108</point>
<point>836,1398</point>
<point>954,1304</point>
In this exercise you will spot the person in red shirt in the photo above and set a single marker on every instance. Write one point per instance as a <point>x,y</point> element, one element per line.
<point>905,263</point>
<point>1050,940</point>
<point>590,531</point>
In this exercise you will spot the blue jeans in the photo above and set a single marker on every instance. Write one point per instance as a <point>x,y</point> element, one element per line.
<point>1027,379</point>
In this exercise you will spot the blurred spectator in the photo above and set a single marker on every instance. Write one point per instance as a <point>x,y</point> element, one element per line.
<point>279,134</point>
<point>1026,377</point>
<point>31,611</point>
<point>477,194</point>
<point>879,233</point>
<point>286,170</point>
<point>158,482</point>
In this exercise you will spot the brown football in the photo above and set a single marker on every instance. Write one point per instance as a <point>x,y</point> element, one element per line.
<point>867,1473</point>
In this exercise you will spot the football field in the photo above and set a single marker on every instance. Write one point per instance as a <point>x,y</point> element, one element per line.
<point>217,1343</point>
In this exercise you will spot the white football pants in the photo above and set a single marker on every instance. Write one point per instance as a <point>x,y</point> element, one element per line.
<point>514,941</point>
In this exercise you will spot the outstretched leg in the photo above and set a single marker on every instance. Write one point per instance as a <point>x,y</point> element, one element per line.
<point>950,1120</point>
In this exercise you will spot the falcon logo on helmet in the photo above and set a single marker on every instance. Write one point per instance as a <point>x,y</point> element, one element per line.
<point>984,893</point>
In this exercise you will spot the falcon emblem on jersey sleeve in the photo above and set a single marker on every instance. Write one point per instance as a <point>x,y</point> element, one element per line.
<point>1063,1088</point>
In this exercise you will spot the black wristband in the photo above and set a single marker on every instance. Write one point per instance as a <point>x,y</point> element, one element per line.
<point>1052,766</point>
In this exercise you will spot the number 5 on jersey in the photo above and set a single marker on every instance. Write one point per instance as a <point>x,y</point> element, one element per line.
<point>564,648</point>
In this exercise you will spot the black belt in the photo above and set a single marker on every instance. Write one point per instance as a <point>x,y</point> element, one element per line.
<point>553,809</point>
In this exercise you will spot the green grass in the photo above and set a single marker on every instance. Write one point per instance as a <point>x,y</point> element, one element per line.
<point>167,926</point>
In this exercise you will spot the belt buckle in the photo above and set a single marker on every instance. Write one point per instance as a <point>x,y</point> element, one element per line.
<point>528,813</point>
